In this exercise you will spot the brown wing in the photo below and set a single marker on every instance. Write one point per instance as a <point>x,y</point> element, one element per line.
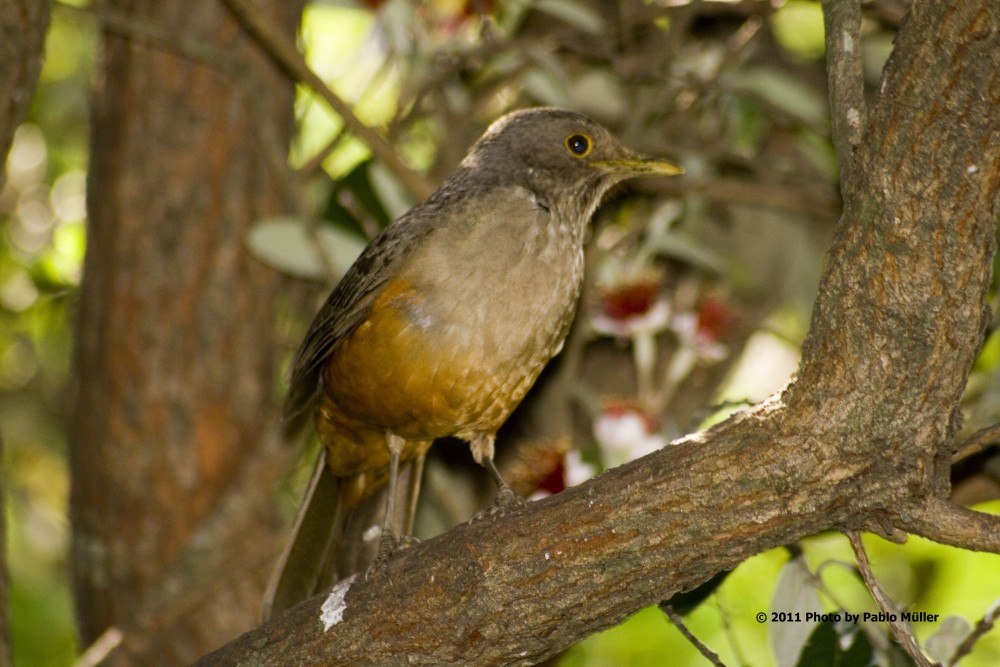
<point>349,303</point>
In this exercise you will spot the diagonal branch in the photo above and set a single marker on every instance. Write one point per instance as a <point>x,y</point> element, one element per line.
<point>149,32</point>
<point>678,622</point>
<point>286,56</point>
<point>977,442</point>
<point>984,625</point>
<point>519,589</point>
<point>902,634</point>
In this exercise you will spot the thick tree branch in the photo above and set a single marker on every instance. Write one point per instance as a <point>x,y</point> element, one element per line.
<point>866,428</point>
<point>535,581</point>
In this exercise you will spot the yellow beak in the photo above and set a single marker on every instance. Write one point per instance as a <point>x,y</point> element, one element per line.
<point>639,165</point>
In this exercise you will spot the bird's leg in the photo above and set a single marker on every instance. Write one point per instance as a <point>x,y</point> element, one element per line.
<point>388,542</point>
<point>416,479</point>
<point>506,498</point>
<point>482,452</point>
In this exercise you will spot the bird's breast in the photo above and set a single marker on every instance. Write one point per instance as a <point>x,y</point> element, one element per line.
<point>453,344</point>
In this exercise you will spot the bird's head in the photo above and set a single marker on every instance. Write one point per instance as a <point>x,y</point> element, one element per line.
<point>566,159</point>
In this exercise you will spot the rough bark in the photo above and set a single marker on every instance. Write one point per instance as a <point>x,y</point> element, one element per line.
<point>860,440</point>
<point>172,462</point>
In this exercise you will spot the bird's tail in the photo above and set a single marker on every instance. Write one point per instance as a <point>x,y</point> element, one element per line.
<point>331,541</point>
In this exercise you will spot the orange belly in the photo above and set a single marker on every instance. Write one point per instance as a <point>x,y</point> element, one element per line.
<point>396,373</point>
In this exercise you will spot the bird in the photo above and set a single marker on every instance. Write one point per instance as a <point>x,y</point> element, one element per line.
<point>441,326</point>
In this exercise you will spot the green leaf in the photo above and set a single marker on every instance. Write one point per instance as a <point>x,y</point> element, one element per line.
<point>286,245</point>
<point>784,92</point>
<point>546,86</point>
<point>796,596</point>
<point>684,247</point>
<point>389,193</point>
<point>364,184</point>
<point>798,27</point>
<point>576,14</point>
<point>827,648</point>
<point>952,632</point>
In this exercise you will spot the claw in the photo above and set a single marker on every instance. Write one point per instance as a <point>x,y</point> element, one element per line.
<point>505,502</point>
<point>388,544</point>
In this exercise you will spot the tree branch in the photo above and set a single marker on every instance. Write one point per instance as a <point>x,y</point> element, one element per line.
<point>902,634</point>
<point>142,30</point>
<point>945,522</point>
<point>537,580</point>
<point>984,625</point>
<point>845,79</point>
<point>678,622</point>
<point>285,56</point>
<point>172,521</point>
<point>977,442</point>
<point>101,648</point>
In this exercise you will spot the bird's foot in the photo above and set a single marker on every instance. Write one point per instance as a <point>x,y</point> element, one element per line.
<point>388,545</point>
<point>407,541</point>
<point>506,501</point>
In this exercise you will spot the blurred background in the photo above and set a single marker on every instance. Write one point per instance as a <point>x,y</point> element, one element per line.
<point>698,293</point>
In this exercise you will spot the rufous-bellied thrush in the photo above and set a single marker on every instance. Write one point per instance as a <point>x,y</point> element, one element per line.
<point>443,323</point>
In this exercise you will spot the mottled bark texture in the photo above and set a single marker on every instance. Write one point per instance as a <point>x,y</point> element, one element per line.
<point>172,461</point>
<point>860,440</point>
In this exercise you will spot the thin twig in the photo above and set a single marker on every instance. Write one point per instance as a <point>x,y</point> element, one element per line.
<point>977,442</point>
<point>447,66</point>
<point>314,165</point>
<point>102,647</point>
<point>903,634</point>
<point>287,57</point>
<point>678,622</point>
<point>816,202</point>
<point>845,77</point>
<point>982,627</point>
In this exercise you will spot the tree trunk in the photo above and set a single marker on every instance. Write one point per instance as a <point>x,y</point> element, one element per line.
<point>172,461</point>
<point>861,439</point>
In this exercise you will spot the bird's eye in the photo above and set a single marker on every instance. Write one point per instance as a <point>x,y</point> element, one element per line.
<point>579,145</point>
